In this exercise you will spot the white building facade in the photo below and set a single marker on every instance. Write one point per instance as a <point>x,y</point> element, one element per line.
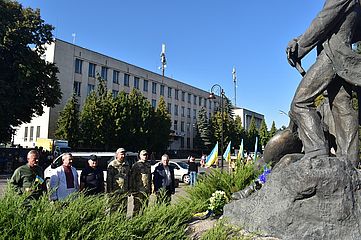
<point>246,117</point>
<point>78,68</point>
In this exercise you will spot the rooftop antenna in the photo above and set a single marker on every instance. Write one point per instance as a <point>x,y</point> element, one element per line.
<point>234,76</point>
<point>73,35</point>
<point>163,60</point>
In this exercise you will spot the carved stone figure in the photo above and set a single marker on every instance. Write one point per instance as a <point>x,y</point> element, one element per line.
<point>314,196</point>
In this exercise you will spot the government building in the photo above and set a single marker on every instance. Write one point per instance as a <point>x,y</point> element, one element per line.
<point>78,69</point>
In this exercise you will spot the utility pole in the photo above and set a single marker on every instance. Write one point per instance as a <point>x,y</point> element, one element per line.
<point>163,60</point>
<point>234,76</point>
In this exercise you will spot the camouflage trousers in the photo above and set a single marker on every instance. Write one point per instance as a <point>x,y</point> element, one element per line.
<point>140,201</point>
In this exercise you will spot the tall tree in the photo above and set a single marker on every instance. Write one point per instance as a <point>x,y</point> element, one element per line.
<point>163,122</point>
<point>252,134</point>
<point>263,133</point>
<point>96,118</point>
<point>28,82</point>
<point>239,130</point>
<point>203,131</point>
<point>273,130</point>
<point>68,123</point>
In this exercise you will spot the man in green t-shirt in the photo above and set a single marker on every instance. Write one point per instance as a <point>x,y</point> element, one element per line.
<point>29,178</point>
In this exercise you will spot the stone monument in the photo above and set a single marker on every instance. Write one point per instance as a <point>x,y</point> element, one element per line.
<point>316,194</point>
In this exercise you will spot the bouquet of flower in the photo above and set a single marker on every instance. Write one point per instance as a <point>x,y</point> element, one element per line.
<point>217,202</point>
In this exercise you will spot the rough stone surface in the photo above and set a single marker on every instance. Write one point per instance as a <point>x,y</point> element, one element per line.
<point>315,198</point>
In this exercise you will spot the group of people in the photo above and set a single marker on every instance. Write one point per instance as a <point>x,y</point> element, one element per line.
<point>122,179</point>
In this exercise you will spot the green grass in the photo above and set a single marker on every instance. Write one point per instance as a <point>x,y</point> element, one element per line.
<point>88,217</point>
<point>224,231</point>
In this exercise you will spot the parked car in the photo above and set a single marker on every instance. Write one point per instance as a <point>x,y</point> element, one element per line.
<point>81,161</point>
<point>180,170</point>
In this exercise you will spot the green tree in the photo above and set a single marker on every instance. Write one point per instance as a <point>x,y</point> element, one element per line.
<point>273,130</point>
<point>28,82</point>
<point>251,135</point>
<point>161,128</point>
<point>263,133</point>
<point>239,130</point>
<point>96,118</point>
<point>203,131</point>
<point>68,123</point>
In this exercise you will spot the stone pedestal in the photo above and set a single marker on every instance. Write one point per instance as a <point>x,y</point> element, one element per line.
<point>315,198</point>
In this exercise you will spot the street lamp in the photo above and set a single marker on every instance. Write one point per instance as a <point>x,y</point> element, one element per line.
<point>212,96</point>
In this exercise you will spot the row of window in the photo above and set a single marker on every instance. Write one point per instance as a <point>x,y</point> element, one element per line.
<point>31,133</point>
<point>126,82</point>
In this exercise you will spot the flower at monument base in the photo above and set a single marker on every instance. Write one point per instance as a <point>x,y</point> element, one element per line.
<point>217,202</point>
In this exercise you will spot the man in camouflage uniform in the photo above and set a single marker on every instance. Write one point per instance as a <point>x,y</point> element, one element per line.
<point>141,182</point>
<point>29,178</point>
<point>118,180</point>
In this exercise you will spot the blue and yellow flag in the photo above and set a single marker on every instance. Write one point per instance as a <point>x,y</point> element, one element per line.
<point>212,157</point>
<point>227,153</point>
<point>240,153</point>
<point>255,149</point>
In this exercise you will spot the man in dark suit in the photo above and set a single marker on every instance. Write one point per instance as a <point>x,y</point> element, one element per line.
<point>336,70</point>
<point>164,183</point>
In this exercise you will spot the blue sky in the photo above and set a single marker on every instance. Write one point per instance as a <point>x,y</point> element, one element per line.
<point>204,40</point>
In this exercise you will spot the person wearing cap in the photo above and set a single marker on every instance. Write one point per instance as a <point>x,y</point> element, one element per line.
<point>92,178</point>
<point>141,182</point>
<point>118,176</point>
<point>65,179</point>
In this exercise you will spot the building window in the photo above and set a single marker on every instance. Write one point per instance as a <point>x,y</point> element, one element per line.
<point>200,101</point>
<point>37,131</point>
<point>136,82</point>
<point>195,100</point>
<point>188,142</point>
<point>182,126</point>
<point>91,72</point>
<point>145,86</point>
<point>169,92</point>
<point>115,76</point>
<point>115,93</point>
<point>188,112</point>
<point>26,134</point>
<point>154,103</point>
<point>126,79</point>
<point>91,88</point>
<point>169,107</point>
<point>183,96</point>
<point>182,112</point>
<point>176,93</point>
<point>175,109</point>
<point>194,113</point>
<point>175,125</point>
<point>188,127</point>
<point>104,73</point>
<point>189,97</point>
<point>77,88</point>
<point>78,65</point>
<point>162,90</point>
<point>154,87</point>
<point>182,142</point>
<point>210,105</point>
<point>31,134</point>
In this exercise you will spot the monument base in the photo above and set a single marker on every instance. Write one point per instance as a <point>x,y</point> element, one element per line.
<point>316,198</point>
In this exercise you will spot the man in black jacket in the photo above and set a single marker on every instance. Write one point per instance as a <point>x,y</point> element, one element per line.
<point>92,178</point>
<point>164,179</point>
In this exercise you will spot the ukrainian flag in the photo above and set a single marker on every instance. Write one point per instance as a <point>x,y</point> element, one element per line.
<point>240,153</point>
<point>227,153</point>
<point>212,157</point>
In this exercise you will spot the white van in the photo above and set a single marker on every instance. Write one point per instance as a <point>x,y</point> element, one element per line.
<point>81,161</point>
